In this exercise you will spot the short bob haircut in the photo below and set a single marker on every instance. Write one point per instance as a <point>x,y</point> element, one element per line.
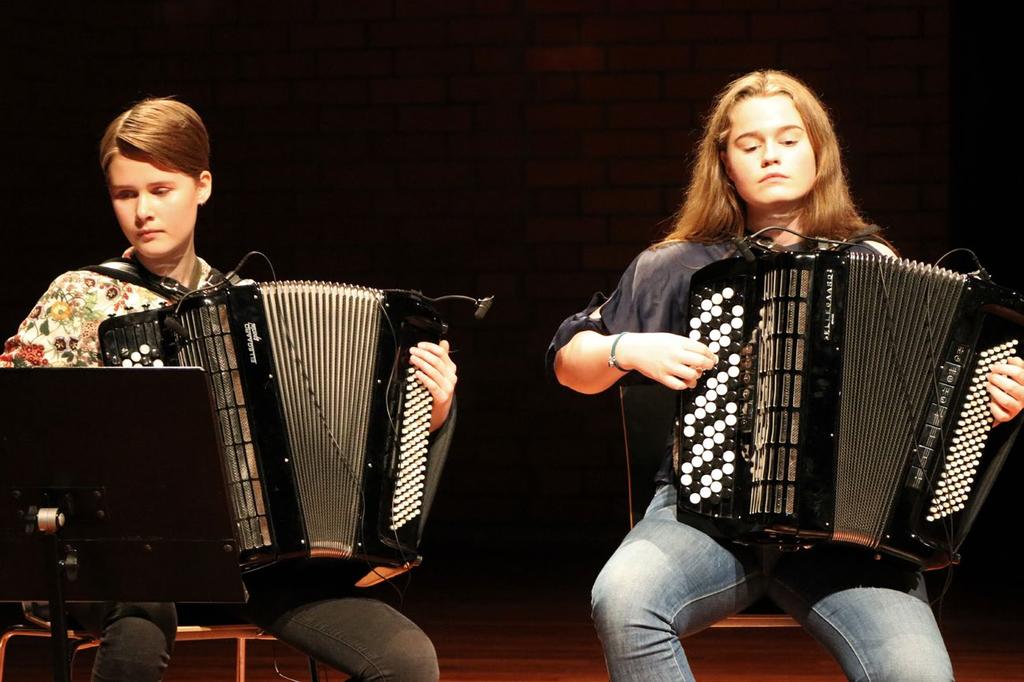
<point>161,131</point>
<point>713,211</point>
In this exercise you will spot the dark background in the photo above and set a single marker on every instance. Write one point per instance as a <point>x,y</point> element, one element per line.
<point>523,148</point>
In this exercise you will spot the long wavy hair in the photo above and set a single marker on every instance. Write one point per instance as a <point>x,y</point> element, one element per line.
<point>714,212</point>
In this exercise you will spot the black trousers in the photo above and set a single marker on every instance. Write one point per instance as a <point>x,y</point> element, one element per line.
<point>309,607</point>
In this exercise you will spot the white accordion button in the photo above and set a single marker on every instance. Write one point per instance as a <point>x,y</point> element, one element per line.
<point>706,304</point>
<point>716,487</point>
<point>728,468</point>
<point>727,292</point>
<point>694,334</point>
<point>144,349</point>
<point>688,431</point>
<point>730,419</point>
<point>695,498</point>
<point>688,418</point>
<point>737,311</point>
<point>728,456</point>
<point>716,311</point>
<point>716,299</point>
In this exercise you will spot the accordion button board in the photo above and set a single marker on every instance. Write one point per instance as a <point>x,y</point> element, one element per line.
<point>707,430</point>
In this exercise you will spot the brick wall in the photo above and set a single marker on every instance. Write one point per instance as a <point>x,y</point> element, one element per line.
<point>524,148</point>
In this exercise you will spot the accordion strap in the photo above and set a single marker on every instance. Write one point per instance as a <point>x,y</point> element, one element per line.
<point>131,271</point>
<point>866,235</point>
<point>870,234</point>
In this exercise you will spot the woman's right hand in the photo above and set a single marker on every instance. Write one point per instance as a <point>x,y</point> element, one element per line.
<point>673,360</point>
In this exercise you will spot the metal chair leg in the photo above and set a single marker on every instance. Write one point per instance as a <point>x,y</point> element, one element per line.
<point>20,631</point>
<point>4,639</point>
<point>314,676</point>
<point>240,645</point>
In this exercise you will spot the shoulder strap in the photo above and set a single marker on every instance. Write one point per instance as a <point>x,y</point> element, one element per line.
<point>131,271</point>
<point>871,234</point>
<point>866,235</point>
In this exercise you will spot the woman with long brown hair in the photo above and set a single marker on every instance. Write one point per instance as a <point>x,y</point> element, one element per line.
<point>768,162</point>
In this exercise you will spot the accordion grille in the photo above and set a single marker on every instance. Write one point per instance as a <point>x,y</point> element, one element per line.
<point>895,314</point>
<point>211,347</point>
<point>324,339</point>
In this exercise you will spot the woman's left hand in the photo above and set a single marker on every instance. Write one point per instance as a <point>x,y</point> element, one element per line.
<point>436,371</point>
<point>1006,386</point>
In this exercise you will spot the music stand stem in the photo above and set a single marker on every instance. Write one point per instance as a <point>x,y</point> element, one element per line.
<point>58,619</point>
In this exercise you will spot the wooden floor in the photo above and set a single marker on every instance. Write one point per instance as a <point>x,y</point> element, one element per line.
<point>508,627</point>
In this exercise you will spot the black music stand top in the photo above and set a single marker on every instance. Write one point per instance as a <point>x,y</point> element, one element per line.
<point>135,457</point>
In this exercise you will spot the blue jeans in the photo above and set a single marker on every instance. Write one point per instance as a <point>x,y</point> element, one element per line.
<point>668,580</point>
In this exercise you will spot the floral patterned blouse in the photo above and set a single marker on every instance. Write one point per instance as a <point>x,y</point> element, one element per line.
<point>63,328</point>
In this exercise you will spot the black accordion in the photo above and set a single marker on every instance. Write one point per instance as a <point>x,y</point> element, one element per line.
<point>324,427</point>
<point>849,402</point>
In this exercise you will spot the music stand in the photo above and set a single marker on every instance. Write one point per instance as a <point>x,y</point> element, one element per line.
<point>132,461</point>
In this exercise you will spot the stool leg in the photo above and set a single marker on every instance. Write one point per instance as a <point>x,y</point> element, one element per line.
<point>75,646</point>
<point>314,676</point>
<point>240,659</point>
<point>3,651</point>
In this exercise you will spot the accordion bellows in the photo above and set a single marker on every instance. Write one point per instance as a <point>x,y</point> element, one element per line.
<point>324,427</point>
<point>849,403</point>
